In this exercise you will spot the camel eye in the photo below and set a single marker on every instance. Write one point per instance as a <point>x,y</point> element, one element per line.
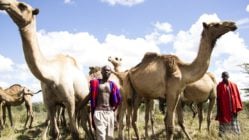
<point>22,6</point>
<point>116,58</point>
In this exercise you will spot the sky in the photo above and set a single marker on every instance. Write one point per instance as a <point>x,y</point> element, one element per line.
<point>93,30</point>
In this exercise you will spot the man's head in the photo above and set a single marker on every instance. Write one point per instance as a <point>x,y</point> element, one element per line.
<point>225,76</point>
<point>106,71</point>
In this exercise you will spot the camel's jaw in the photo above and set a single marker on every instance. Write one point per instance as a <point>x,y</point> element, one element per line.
<point>231,25</point>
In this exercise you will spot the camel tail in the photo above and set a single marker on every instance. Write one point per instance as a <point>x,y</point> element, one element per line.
<point>38,91</point>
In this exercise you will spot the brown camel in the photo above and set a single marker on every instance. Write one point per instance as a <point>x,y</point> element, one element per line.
<point>126,107</point>
<point>166,76</point>
<point>61,79</point>
<point>199,92</point>
<point>15,95</point>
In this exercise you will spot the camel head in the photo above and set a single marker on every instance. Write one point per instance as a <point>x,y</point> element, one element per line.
<point>116,62</point>
<point>27,91</point>
<point>95,72</point>
<point>215,30</point>
<point>21,13</point>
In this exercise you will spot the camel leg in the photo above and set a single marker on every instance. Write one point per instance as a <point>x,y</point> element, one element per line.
<point>10,116</point>
<point>180,115</point>
<point>54,130</point>
<point>1,114</point>
<point>28,114</point>
<point>129,108</point>
<point>172,100</point>
<point>146,117</point>
<point>121,113</point>
<point>151,108</point>
<point>4,114</point>
<point>149,103</point>
<point>200,114</point>
<point>209,115</point>
<point>134,115</point>
<point>71,114</point>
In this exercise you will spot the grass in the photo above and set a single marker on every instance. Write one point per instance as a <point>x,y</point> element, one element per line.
<point>19,133</point>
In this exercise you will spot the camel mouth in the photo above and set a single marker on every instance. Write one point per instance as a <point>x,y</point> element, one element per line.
<point>234,28</point>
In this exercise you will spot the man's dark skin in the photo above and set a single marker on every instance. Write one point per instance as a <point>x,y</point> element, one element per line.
<point>104,89</point>
<point>225,77</point>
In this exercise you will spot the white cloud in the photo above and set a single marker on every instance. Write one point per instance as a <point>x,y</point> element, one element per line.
<point>6,64</point>
<point>166,27</point>
<point>68,1</point>
<point>247,8</point>
<point>85,47</point>
<point>123,2</point>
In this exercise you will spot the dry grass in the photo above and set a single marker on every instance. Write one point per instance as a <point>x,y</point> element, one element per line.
<point>19,116</point>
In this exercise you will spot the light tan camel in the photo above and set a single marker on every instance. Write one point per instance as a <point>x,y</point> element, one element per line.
<point>200,92</point>
<point>61,79</point>
<point>165,76</point>
<point>15,95</point>
<point>126,107</point>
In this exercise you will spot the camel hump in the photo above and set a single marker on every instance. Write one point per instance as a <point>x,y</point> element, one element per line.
<point>149,56</point>
<point>212,77</point>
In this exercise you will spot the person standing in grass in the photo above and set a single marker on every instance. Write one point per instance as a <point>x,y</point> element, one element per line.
<point>105,98</point>
<point>228,105</point>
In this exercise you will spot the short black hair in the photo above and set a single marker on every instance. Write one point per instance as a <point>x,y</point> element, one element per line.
<point>225,74</point>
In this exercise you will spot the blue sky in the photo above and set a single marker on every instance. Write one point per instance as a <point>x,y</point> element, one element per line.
<point>92,30</point>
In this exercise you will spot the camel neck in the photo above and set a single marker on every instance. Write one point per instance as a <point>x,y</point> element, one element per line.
<point>195,70</point>
<point>33,56</point>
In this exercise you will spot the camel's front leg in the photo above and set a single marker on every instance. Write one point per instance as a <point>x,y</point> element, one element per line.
<point>53,123</point>
<point>137,103</point>
<point>70,105</point>
<point>10,116</point>
<point>200,114</point>
<point>172,99</point>
<point>121,113</point>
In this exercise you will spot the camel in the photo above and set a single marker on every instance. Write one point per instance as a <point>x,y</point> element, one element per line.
<point>61,79</point>
<point>125,106</point>
<point>15,95</point>
<point>200,92</point>
<point>166,76</point>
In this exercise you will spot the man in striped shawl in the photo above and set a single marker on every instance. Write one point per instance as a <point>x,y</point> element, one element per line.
<point>228,105</point>
<point>105,97</point>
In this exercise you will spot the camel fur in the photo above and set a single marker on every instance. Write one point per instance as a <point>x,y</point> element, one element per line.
<point>61,79</point>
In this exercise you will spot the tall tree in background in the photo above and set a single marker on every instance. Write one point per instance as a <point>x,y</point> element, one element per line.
<point>245,66</point>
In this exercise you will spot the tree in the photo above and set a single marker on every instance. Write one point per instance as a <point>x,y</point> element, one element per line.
<point>245,66</point>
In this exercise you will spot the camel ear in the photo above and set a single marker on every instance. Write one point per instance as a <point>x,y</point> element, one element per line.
<point>35,11</point>
<point>204,25</point>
